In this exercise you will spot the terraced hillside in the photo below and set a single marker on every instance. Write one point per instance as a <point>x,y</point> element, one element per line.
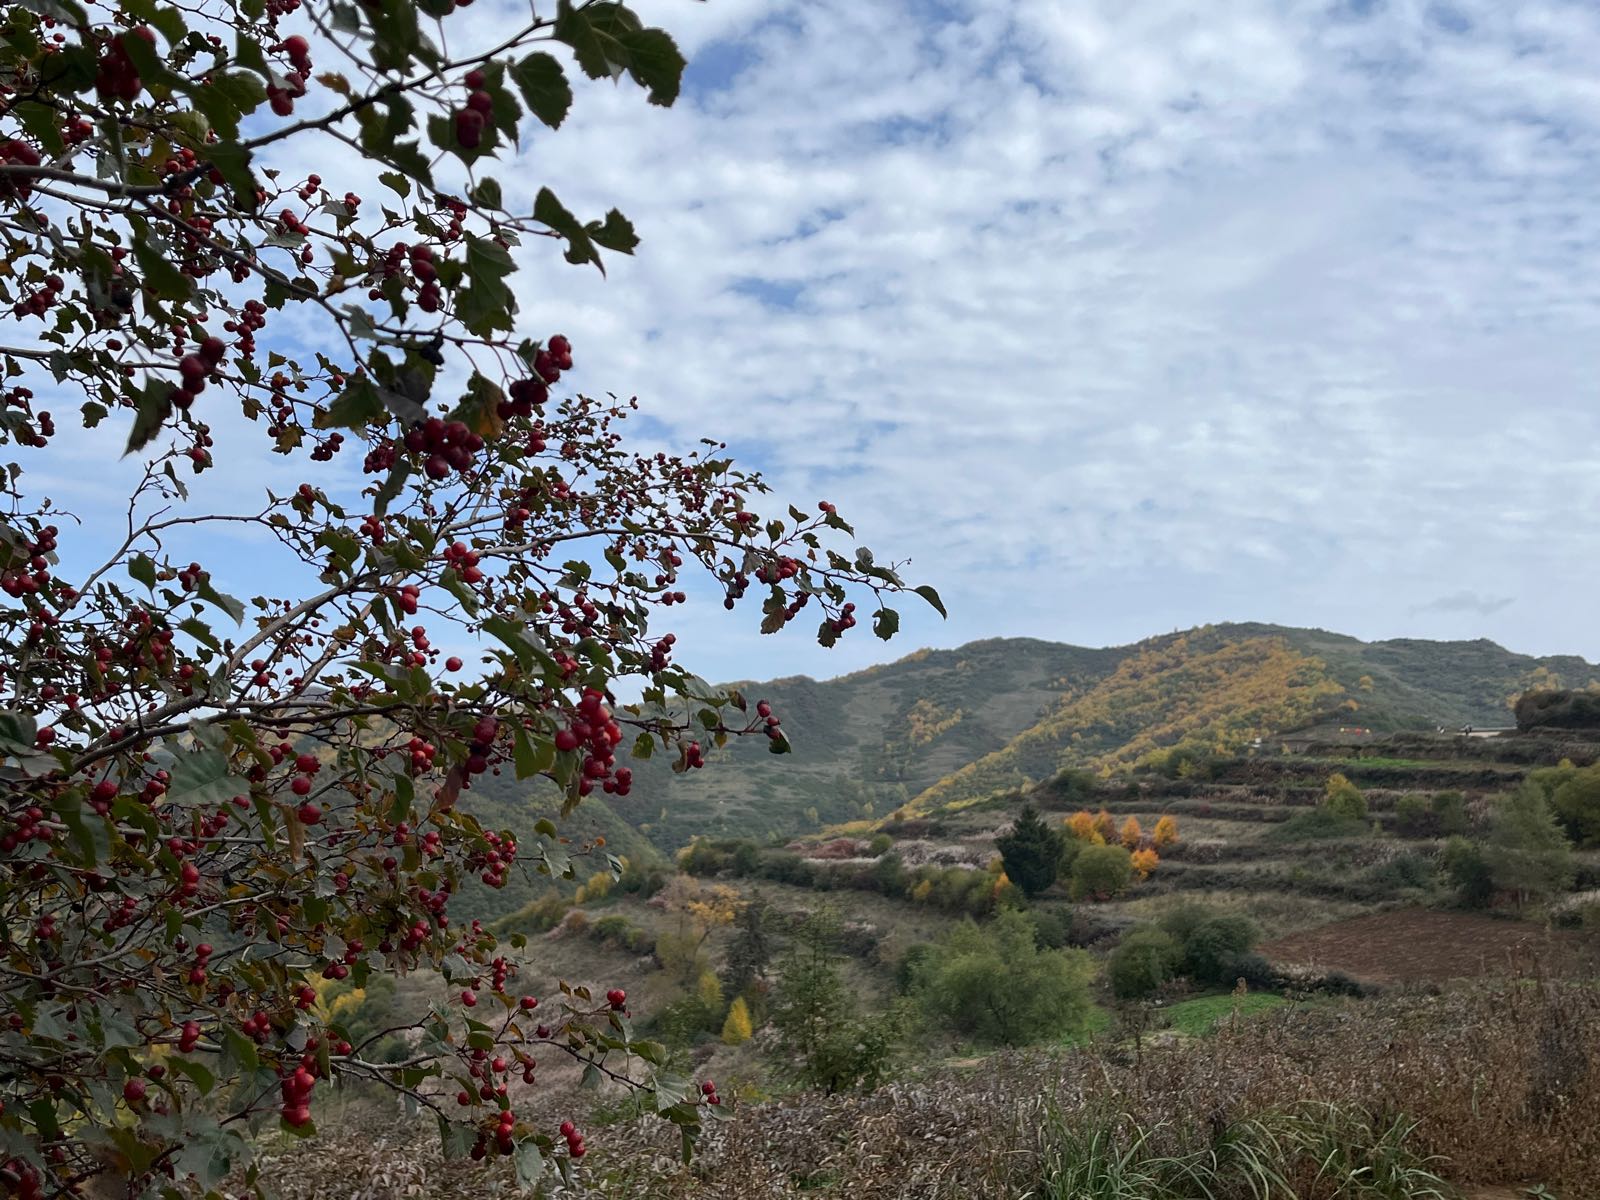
<point>946,726</point>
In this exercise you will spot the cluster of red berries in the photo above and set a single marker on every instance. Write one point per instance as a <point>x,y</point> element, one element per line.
<point>195,369</point>
<point>708,1089</point>
<point>282,99</point>
<point>296,1090</point>
<point>188,1037</point>
<point>116,78</point>
<point>471,117</point>
<point>41,301</point>
<point>594,727</point>
<point>257,1026</point>
<point>464,560</point>
<point>764,711</point>
<point>574,1139</point>
<point>18,582</point>
<point>447,445</point>
<point>15,150</point>
<point>252,316</point>
<point>410,594</point>
<point>845,620</point>
<point>524,395</point>
<point>553,359</point>
<point>693,756</point>
<point>29,828</point>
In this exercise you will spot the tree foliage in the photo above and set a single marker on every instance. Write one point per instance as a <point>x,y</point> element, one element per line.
<point>1527,854</point>
<point>822,1041</point>
<point>1142,962</point>
<point>994,983</point>
<point>1344,799</point>
<point>210,802</point>
<point>1100,872</point>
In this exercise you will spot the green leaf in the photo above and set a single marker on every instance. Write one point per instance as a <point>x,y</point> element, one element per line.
<point>886,623</point>
<point>201,780</point>
<point>932,597</point>
<point>544,88</point>
<point>655,63</point>
<point>395,182</point>
<point>141,568</point>
<point>615,234</point>
<point>530,1164</point>
<point>153,407</point>
<point>233,162</point>
<point>533,757</point>
<point>200,632</point>
<point>220,599</point>
<point>547,210</point>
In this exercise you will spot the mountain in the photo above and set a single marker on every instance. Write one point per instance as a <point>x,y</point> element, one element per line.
<point>943,727</point>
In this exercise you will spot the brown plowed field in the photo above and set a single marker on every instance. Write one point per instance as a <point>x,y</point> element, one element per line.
<point>1419,945</point>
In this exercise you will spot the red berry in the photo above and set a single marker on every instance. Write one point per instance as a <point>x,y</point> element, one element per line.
<point>452,663</point>
<point>133,1091</point>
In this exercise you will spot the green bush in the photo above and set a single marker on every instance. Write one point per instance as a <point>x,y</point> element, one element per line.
<point>879,845</point>
<point>993,983</point>
<point>1450,813</point>
<point>1101,872</point>
<point>1142,962</point>
<point>1403,871</point>
<point>1212,942</point>
<point>1344,799</point>
<point>1468,870</point>
<point>1577,805</point>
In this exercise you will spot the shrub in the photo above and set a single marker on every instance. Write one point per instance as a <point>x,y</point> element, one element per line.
<point>1468,871</point>
<point>880,845</point>
<point>1142,962</point>
<point>1449,813</point>
<point>1576,802</point>
<point>1558,709</point>
<point>1101,872</point>
<point>1403,871</point>
<point>1344,799</point>
<point>819,1040</point>
<point>993,983</point>
<point>1212,942</point>
<point>1166,832</point>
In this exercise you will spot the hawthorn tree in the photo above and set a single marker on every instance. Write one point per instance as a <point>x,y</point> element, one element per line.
<point>208,804</point>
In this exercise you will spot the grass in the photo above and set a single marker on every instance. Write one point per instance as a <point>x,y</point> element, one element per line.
<point>1197,1017</point>
<point>1096,1022</point>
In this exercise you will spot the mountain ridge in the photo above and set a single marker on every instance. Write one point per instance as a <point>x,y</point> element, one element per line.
<point>910,733</point>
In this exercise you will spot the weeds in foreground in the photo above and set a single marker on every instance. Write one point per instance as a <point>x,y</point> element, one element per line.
<point>1324,1151</point>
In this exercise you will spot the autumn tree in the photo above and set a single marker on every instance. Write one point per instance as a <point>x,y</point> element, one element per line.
<point>1031,851</point>
<point>1131,833</point>
<point>736,1029</point>
<point>208,803</point>
<point>1344,799</point>
<point>1081,826</point>
<point>1165,833</point>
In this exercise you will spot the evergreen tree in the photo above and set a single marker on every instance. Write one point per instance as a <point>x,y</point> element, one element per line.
<point>751,951</point>
<point>1031,851</point>
<point>820,1041</point>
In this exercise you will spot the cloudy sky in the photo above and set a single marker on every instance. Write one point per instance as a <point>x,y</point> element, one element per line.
<point>1119,317</point>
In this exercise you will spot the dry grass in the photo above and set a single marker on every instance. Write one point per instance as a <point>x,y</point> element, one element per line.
<point>1501,1082</point>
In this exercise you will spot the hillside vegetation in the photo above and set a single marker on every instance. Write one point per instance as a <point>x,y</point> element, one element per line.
<point>948,726</point>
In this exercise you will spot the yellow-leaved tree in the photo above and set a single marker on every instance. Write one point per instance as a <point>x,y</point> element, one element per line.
<point>736,1030</point>
<point>1132,833</point>
<point>1165,833</point>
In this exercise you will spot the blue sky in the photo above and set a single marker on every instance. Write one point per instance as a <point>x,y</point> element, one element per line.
<point>1119,318</point>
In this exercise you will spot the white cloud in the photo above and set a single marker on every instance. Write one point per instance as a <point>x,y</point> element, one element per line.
<point>1123,317</point>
